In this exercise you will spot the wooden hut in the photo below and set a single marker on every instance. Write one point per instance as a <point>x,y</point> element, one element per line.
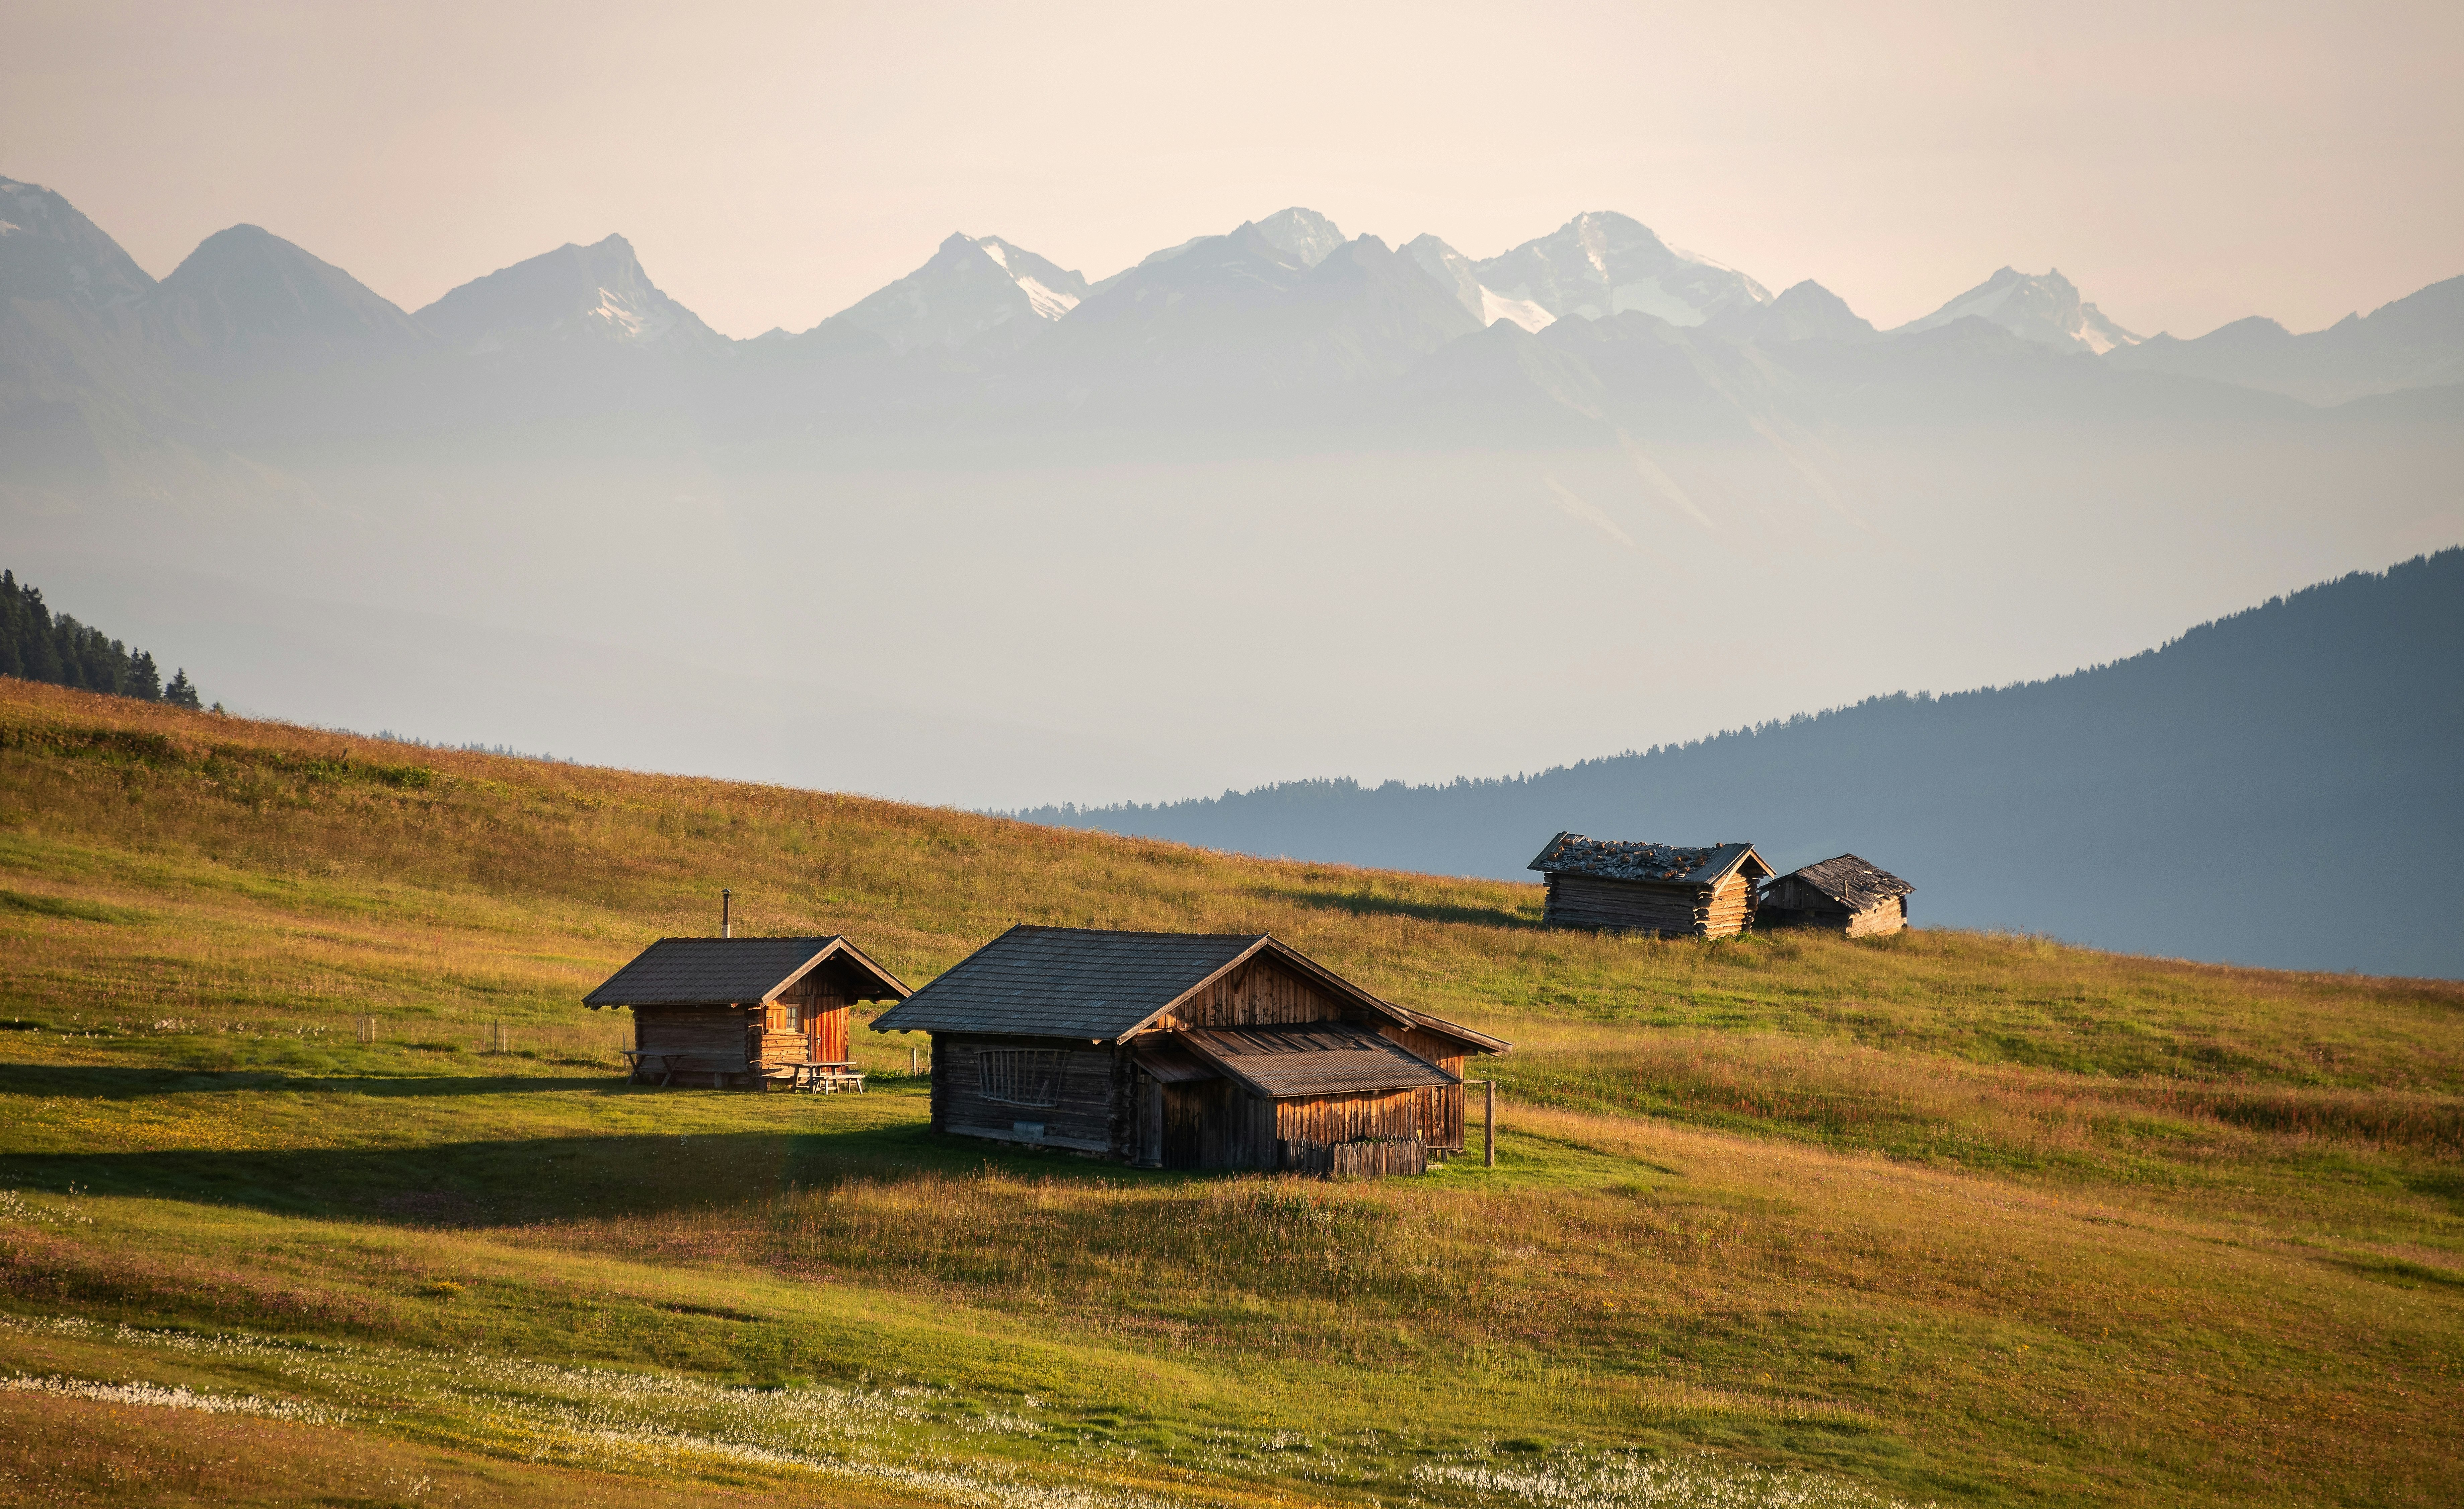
<point>1670,892</point>
<point>1187,1050</point>
<point>1845,894</point>
<point>735,1012</point>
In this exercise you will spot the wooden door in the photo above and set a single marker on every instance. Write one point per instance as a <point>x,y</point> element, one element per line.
<point>826,1034</point>
<point>1150,1122</point>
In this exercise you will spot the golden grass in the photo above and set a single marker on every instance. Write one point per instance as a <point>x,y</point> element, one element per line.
<point>1975,1218</point>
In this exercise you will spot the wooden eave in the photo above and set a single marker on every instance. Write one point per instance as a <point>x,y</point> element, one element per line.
<point>1440,1027</point>
<point>855,956</point>
<point>836,947</point>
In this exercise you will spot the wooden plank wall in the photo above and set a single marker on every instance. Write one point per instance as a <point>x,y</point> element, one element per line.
<point>1085,1118</point>
<point>1644,906</point>
<point>1380,1115</point>
<point>1358,1159</point>
<point>809,1019</point>
<point>1260,993</point>
<point>711,1039</point>
<point>1213,1124</point>
<point>1441,1109</point>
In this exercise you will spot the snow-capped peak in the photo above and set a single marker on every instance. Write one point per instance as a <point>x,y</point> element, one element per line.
<point>2042,307</point>
<point>971,285</point>
<point>1455,274</point>
<point>1600,262</point>
<point>1050,296</point>
<point>598,292</point>
<point>1304,233</point>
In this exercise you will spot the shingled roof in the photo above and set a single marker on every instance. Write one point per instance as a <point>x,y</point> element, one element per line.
<point>1853,883</point>
<point>1319,1058</point>
<point>1099,986</point>
<point>1667,865</point>
<point>728,972</point>
<point>1068,981</point>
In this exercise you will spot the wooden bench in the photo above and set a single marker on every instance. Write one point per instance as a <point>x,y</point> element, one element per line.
<point>826,1078</point>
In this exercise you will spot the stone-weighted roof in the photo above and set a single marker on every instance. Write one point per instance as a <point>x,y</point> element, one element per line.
<point>1666,864</point>
<point>1852,883</point>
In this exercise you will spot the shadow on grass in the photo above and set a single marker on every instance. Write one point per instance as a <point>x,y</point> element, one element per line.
<point>118,1082</point>
<point>1364,903</point>
<point>527,1180</point>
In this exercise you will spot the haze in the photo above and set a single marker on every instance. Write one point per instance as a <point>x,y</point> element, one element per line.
<point>2186,165</point>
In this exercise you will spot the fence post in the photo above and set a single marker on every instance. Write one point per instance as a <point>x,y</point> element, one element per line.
<point>911,1060</point>
<point>1489,1125</point>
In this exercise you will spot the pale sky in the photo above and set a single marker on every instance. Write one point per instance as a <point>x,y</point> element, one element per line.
<point>2184,164</point>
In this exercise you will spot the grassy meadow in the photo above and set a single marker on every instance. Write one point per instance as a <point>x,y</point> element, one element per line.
<point>1786,1220</point>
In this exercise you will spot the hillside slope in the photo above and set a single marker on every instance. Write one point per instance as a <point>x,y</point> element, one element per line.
<point>1943,1218</point>
<point>2214,799</point>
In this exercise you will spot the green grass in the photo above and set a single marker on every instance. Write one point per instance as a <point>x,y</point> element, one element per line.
<point>1951,1217</point>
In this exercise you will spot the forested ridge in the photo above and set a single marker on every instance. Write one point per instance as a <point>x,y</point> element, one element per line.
<point>38,645</point>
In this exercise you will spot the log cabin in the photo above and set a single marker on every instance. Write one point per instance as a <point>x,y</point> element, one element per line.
<point>1662,890</point>
<point>736,1012</point>
<point>1187,1050</point>
<point>1844,894</point>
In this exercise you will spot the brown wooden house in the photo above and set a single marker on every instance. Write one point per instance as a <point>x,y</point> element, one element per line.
<point>1845,894</point>
<point>1660,889</point>
<point>1186,1051</point>
<point>734,1012</point>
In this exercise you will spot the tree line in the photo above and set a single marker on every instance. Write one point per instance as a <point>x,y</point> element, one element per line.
<point>38,645</point>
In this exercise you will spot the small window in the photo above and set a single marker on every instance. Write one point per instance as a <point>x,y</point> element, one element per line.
<point>1020,1075</point>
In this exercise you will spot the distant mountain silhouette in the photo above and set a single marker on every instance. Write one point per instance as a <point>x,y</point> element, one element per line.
<point>2415,342</point>
<point>2276,788</point>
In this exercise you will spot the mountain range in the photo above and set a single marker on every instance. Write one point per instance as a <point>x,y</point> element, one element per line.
<point>253,337</point>
<point>1270,500</point>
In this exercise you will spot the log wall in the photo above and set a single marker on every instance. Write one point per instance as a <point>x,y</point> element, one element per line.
<point>1777,911</point>
<point>1644,906</point>
<point>709,1042</point>
<point>808,1021</point>
<point>1089,1110</point>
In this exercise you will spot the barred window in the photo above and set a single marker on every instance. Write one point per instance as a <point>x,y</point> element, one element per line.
<point>1020,1075</point>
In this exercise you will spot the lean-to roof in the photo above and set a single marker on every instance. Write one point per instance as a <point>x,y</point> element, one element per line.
<point>1314,1059</point>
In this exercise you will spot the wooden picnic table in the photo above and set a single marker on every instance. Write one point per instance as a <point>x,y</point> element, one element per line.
<point>641,1063</point>
<point>825,1076</point>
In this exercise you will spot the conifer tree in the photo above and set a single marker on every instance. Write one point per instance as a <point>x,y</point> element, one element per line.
<point>38,645</point>
<point>182,692</point>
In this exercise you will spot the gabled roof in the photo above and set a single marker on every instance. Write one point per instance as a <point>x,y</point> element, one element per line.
<point>1099,986</point>
<point>1666,864</point>
<point>727,971</point>
<point>1853,883</point>
<point>1314,1059</point>
<point>1068,982</point>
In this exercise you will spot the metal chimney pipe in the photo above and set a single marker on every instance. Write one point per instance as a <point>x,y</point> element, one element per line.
<point>726,928</point>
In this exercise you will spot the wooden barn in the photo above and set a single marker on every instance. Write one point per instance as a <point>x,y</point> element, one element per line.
<point>738,1012</point>
<point>1845,894</point>
<point>1187,1050</point>
<point>1611,886</point>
